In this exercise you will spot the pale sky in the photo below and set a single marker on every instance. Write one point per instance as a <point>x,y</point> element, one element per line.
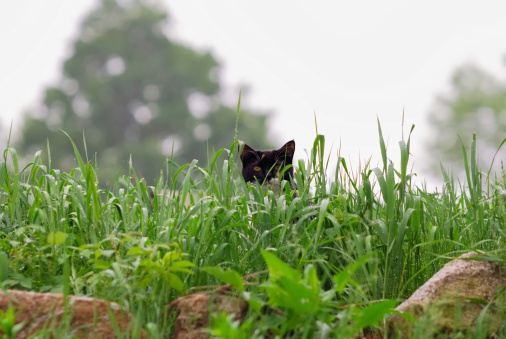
<point>348,62</point>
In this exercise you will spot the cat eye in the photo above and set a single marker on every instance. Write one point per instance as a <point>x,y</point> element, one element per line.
<point>257,168</point>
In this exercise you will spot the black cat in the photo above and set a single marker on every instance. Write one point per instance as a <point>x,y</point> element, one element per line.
<point>265,167</point>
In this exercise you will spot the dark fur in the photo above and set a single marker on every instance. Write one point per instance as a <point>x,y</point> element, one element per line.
<point>263,166</point>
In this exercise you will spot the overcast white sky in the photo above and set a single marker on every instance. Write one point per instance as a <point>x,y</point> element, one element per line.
<point>348,62</point>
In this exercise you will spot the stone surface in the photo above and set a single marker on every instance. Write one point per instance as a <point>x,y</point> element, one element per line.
<point>194,309</point>
<point>443,301</point>
<point>89,317</point>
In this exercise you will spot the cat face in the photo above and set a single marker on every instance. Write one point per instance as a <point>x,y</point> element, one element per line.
<point>266,166</point>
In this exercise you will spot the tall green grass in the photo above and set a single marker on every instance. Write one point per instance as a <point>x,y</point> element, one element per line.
<point>341,251</point>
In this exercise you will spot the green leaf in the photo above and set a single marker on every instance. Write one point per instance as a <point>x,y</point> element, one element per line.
<point>174,281</point>
<point>311,278</point>
<point>3,173</point>
<point>287,289</point>
<point>229,276</point>
<point>107,253</point>
<point>373,314</point>
<point>4,266</point>
<point>278,269</point>
<point>345,276</point>
<point>293,295</point>
<point>136,251</point>
<point>255,302</point>
<point>101,265</point>
<point>56,238</point>
<point>181,266</point>
<point>172,256</point>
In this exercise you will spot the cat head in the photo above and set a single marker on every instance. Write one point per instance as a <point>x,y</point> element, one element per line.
<point>267,166</point>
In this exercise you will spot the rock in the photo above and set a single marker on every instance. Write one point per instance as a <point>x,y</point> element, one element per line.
<point>88,317</point>
<point>443,304</point>
<point>194,309</point>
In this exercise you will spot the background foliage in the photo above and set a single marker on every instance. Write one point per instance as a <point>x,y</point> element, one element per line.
<point>131,90</point>
<point>475,104</point>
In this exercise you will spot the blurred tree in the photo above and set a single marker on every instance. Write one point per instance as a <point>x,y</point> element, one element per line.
<point>477,103</point>
<point>132,91</point>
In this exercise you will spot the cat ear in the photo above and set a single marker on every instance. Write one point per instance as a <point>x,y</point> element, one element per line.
<point>248,154</point>
<point>288,149</point>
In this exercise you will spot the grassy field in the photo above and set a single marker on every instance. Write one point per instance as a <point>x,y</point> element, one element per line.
<point>341,253</point>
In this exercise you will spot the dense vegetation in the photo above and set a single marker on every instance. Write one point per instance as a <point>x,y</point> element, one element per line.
<point>341,252</point>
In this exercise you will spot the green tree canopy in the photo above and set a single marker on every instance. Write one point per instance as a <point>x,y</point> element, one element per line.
<point>133,91</point>
<point>477,103</point>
